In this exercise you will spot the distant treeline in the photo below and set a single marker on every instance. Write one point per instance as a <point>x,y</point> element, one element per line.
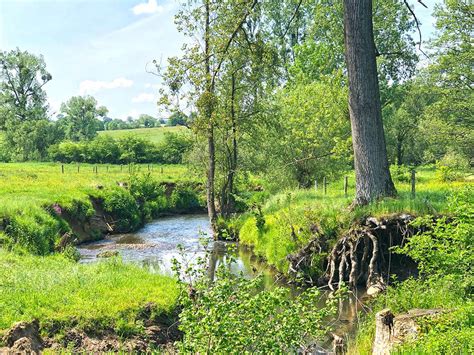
<point>105,149</point>
<point>143,121</point>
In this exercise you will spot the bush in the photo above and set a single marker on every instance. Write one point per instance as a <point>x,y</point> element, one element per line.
<point>149,194</point>
<point>173,148</point>
<point>127,150</point>
<point>123,208</point>
<point>401,173</point>
<point>233,315</point>
<point>452,166</point>
<point>184,198</point>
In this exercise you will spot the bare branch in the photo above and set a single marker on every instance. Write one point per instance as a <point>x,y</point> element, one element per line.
<point>417,24</point>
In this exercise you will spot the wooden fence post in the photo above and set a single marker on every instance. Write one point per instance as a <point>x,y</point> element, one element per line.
<point>62,168</point>
<point>121,167</point>
<point>96,170</point>
<point>161,170</point>
<point>346,183</point>
<point>325,185</point>
<point>413,182</point>
<point>78,167</point>
<point>107,168</point>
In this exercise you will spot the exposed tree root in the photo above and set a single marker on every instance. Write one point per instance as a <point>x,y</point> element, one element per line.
<point>359,257</point>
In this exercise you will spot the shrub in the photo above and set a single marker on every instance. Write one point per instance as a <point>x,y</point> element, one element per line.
<point>184,198</point>
<point>452,166</point>
<point>173,148</point>
<point>401,173</point>
<point>123,208</point>
<point>233,315</point>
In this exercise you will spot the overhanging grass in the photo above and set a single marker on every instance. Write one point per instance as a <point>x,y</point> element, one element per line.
<point>58,291</point>
<point>331,214</point>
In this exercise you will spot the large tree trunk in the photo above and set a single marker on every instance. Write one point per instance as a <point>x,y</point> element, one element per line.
<point>211,172</point>
<point>373,178</point>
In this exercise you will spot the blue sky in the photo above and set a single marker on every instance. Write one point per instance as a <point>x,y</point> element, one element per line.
<point>101,47</point>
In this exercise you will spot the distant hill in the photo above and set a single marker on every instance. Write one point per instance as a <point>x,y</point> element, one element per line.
<point>154,135</point>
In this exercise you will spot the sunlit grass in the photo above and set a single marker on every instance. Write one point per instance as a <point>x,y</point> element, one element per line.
<point>332,212</point>
<point>154,135</point>
<point>26,186</point>
<point>55,290</point>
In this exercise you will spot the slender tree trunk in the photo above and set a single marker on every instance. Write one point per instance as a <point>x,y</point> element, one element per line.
<point>373,178</point>
<point>399,152</point>
<point>233,166</point>
<point>211,207</point>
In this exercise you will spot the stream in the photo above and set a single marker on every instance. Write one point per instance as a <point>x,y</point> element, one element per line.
<point>156,245</point>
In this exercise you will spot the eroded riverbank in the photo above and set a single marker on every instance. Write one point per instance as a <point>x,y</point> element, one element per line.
<point>157,244</point>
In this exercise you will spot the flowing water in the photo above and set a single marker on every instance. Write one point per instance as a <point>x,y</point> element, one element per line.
<point>157,244</point>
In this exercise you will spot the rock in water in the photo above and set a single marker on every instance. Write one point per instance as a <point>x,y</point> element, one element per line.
<point>108,254</point>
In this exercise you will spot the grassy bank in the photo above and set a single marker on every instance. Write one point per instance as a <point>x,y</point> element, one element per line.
<point>154,135</point>
<point>39,201</point>
<point>24,186</point>
<point>61,293</point>
<point>288,221</point>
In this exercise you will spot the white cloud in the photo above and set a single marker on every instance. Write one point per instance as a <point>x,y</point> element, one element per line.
<point>93,86</point>
<point>144,97</point>
<point>150,7</point>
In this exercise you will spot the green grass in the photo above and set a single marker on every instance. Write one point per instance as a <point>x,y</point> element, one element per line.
<point>331,213</point>
<point>27,186</point>
<point>154,135</point>
<point>61,292</point>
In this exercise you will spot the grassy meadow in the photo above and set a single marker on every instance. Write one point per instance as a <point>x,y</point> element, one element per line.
<point>24,186</point>
<point>154,135</point>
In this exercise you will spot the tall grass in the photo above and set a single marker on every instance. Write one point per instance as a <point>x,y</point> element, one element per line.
<point>62,293</point>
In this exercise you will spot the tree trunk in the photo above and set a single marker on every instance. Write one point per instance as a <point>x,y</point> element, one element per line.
<point>373,178</point>
<point>399,152</point>
<point>211,207</point>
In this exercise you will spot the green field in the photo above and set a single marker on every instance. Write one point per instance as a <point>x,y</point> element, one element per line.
<point>154,135</point>
<point>25,186</point>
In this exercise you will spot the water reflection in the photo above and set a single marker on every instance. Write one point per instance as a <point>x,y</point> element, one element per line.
<point>156,245</point>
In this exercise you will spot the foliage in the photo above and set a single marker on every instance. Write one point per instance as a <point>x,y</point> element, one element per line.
<point>445,260</point>
<point>234,315</point>
<point>125,150</point>
<point>34,231</point>
<point>183,198</point>
<point>62,294</point>
<point>23,107</point>
<point>177,118</point>
<point>452,166</point>
<point>80,118</point>
<point>121,205</point>
<point>447,247</point>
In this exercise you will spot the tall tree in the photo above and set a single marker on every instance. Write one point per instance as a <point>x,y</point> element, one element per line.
<point>373,178</point>
<point>81,117</point>
<point>23,105</point>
